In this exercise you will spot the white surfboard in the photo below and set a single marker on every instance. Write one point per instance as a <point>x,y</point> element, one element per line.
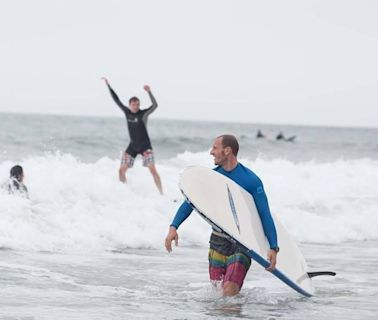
<point>231,209</point>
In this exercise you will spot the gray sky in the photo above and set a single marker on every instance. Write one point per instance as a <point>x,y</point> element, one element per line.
<point>294,62</point>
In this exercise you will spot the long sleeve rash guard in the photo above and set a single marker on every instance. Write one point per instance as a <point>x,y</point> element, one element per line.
<point>136,122</point>
<point>248,180</point>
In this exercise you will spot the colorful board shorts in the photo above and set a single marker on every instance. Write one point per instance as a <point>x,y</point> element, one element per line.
<point>232,268</point>
<point>128,156</point>
<point>226,262</point>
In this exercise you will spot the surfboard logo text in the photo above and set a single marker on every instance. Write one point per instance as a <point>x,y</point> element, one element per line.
<point>233,209</point>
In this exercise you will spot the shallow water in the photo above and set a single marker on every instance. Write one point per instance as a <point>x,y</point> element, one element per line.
<point>147,284</point>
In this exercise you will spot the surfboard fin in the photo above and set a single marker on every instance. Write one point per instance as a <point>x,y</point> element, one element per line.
<point>321,273</point>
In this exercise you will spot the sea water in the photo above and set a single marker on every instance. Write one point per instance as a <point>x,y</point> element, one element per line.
<point>85,246</point>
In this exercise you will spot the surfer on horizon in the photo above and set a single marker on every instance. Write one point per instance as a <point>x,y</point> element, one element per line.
<point>228,264</point>
<point>260,134</point>
<point>280,136</point>
<point>139,139</point>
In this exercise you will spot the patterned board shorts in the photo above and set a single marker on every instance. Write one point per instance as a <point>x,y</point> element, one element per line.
<point>147,156</point>
<point>232,268</point>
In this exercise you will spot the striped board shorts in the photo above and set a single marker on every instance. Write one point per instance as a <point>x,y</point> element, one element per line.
<point>147,156</point>
<point>232,268</point>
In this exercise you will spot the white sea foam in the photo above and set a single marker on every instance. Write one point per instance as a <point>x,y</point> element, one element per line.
<point>76,206</point>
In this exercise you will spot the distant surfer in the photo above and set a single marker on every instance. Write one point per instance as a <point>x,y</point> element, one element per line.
<point>139,140</point>
<point>228,265</point>
<point>280,136</point>
<point>15,184</point>
<point>260,134</point>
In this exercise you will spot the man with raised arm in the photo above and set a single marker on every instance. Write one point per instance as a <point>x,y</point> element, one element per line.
<point>140,143</point>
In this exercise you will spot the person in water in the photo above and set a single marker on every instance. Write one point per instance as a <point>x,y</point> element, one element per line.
<point>16,182</point>
<point>260,134</point>
<point>140,143</point>
<point>228,264</point>
<point>280,136</point>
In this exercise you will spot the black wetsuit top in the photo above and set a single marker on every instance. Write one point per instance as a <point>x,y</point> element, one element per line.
<point>137,124</point>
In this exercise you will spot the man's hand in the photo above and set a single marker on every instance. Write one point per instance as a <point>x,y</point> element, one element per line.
<point>172,235</point>
<point>272,257</point>
<point>104,79</point>
<point>147,88</point>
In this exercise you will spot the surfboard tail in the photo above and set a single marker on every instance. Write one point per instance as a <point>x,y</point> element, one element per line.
<point>278,273</point>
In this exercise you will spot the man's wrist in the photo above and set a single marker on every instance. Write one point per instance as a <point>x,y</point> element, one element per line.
<point>277,249</point>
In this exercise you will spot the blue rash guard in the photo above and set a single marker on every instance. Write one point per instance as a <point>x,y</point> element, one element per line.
<point>249,181</point>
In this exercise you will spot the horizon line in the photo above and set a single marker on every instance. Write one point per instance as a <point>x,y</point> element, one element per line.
<point>197,120</point>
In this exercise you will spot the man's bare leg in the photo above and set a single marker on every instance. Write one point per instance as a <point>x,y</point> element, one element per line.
<point>156,177</point>
<point>122,173</point>
<point>230,289</point>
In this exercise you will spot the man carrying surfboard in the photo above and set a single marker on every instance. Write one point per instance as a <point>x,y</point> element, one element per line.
<point>140,143</point>
<point>228,264</point>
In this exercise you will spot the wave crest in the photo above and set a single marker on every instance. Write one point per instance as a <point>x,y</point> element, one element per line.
<point>77,206</point>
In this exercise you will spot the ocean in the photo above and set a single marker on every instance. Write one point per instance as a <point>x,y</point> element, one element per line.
<point>85,246</point>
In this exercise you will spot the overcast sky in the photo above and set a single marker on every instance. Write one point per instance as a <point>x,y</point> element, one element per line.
<point>293,62</point>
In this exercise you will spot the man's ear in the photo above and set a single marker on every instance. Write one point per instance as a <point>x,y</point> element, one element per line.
<point>227,150</point>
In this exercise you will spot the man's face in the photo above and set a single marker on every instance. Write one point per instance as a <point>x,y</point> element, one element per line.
<point>134,106</point>
<point>218,152</point>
